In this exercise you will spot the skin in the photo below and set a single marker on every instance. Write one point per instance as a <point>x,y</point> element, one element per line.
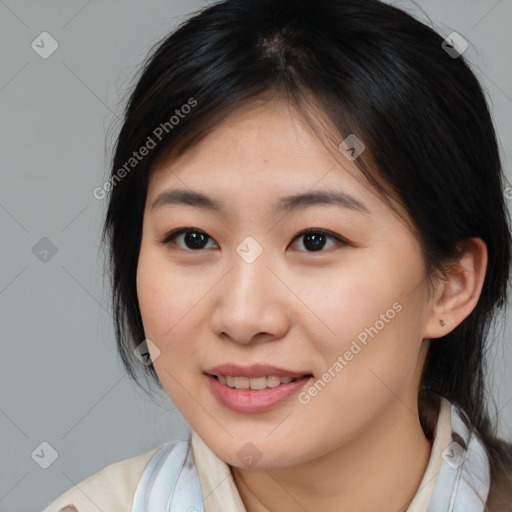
<point>358,444</point>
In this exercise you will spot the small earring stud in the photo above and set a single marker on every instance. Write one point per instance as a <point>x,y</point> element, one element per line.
<point>442,322</point>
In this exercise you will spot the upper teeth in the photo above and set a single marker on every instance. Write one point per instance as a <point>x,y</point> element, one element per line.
<point>253,382</point>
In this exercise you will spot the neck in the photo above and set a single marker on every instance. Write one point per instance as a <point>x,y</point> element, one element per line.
<point>381,469</point>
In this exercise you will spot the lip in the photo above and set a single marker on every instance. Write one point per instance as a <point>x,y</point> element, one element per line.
<point>253,401</point>
<point>256,370</point>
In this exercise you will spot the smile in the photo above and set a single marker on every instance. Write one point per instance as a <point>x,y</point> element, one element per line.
<point>254,382</point>
<point>254,394</point>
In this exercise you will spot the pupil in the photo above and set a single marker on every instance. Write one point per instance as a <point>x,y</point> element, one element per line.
<point>315,241</point>
<point>197,240</point>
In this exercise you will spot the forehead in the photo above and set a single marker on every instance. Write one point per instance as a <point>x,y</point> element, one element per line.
<point>262,154</point>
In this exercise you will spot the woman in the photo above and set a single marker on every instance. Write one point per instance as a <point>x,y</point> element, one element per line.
<point>308,243</point>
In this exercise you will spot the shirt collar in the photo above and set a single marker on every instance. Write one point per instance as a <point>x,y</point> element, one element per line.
<point>185,474</point>
<point>457,474</point>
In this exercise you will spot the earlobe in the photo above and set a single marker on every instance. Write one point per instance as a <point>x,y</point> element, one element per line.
<point>457,294</point>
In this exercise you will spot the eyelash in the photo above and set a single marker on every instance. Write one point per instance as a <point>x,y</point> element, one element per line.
<point>176,232</point>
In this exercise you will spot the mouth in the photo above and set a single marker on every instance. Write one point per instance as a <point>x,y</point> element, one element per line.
<point>257,383</point>
<point>255,394</point>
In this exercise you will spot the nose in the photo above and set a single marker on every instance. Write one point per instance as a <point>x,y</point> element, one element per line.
<point>250,303</point>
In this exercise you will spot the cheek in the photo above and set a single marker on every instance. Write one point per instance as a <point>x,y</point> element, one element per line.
<point>374,327</point>
<point>169,302</point>
<point>346,305</point>
<point>162,293</point>
<point>151,297</point>
<point>161,311</point>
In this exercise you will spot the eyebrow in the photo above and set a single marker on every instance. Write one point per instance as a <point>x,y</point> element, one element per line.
<point>289,203</point>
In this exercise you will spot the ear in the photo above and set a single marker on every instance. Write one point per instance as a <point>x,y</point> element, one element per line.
<point>456,296</point>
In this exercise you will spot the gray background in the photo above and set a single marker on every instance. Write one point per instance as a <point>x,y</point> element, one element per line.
<point>61,380</point>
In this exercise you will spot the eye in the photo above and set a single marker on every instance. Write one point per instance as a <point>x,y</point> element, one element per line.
<point>193,238</point>
<point>314,239</point>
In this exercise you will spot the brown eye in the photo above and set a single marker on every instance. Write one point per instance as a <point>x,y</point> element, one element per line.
<point>314,240</point>
<point>193,239</point>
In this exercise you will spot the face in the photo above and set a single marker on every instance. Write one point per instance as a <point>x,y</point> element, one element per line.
<point>331,293</point>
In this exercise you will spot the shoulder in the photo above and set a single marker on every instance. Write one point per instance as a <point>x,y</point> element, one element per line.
<point>109,490</point>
